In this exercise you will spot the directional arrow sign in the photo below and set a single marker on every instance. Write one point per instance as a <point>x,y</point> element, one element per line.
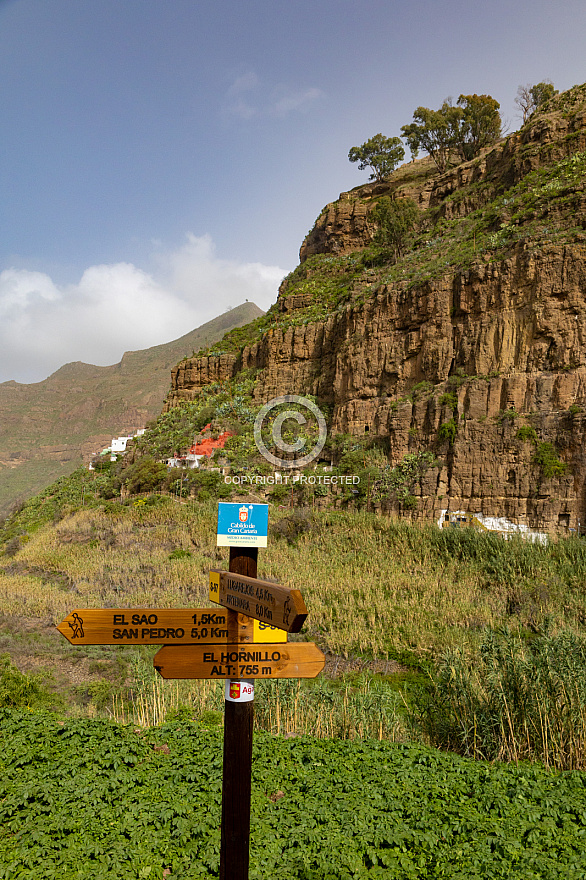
<point>160,626</point>
<point>293,660</point>
<point>271,603</point>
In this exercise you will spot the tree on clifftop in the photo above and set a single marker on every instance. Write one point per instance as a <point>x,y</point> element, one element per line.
<point>466,129</point>
<point>380,153</point>
<point>529,98</point>
<point>434,131</point>
<point>480,125</point>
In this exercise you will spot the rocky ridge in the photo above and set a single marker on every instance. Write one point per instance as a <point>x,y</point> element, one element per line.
<point>488,339</point>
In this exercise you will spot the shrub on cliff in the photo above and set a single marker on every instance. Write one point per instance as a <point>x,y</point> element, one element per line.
<point>395,219</point>
<point>447,432</point>
<point>547,459</point>
<point>145,475</point>
<point>529,97</point>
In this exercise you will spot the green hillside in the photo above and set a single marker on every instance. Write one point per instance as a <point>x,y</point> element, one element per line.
<point>48,428</point>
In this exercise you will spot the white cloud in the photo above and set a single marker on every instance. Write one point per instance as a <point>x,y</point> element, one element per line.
<point>243,83</point>
<point>119,307</point>
<point>278,102</point>
<point>290,101</point>
<point>237,105</point>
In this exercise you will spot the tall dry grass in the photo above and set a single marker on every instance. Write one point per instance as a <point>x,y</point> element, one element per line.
<point>375,587</point>
<point>365,707</point>
<point>516,701</point>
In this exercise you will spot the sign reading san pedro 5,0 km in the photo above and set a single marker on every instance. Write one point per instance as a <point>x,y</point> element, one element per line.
<point>159,626</point>
<point>262,600</point>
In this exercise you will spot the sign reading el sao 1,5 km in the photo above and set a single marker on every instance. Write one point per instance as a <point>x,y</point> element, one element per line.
<point>159,626</point>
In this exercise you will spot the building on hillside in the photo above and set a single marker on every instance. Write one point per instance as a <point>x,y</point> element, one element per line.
<point>184,461</point>
<point>462,519</point>
<point>202,447</point>
<point>117,446</point>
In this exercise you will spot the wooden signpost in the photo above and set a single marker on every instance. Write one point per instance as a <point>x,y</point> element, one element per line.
<point>239,642</point>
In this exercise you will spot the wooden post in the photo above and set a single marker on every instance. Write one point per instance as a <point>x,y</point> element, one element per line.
<point>237,769</point>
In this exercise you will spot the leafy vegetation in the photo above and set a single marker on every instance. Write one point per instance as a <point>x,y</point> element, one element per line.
<point>548,460</point>
<point>447,432</point>
<point>531,97</point>
<point>464,129</point>
<point>136,800</point>
<point>527,433</point>
<point>88,798</point>
<point>401,480</point>
<point>18,690</point>
<point>395,219</point>
<point>449,399</point>
<point>235,340</point>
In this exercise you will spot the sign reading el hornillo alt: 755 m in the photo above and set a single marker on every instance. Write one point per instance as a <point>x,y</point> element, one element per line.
<point>293,660</point>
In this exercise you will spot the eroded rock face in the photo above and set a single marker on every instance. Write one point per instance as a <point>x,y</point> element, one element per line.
<point>500,346</point>
<point>342,227</point>
<point>520,326</point>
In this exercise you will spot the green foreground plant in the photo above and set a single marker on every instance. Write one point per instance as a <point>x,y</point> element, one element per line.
<point>92,799</point>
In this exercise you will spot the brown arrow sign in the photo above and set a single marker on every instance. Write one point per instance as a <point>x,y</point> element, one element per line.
<point>158,626</point>
<point>271,603</point>
<point>293,660</point>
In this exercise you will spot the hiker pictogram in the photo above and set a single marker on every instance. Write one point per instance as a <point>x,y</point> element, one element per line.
<point>76,626</point>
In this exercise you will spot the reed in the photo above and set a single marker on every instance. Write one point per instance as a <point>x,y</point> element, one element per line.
<point>365,707</point>
<point>518,701</point>
<point>376,588</point>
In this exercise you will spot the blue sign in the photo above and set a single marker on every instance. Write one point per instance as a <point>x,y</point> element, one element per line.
<point>242,525</point>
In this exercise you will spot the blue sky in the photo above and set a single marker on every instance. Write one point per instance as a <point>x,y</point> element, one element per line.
<point>162,160</point>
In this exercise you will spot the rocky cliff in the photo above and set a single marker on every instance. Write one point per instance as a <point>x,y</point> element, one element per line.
<point>470,345</point>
